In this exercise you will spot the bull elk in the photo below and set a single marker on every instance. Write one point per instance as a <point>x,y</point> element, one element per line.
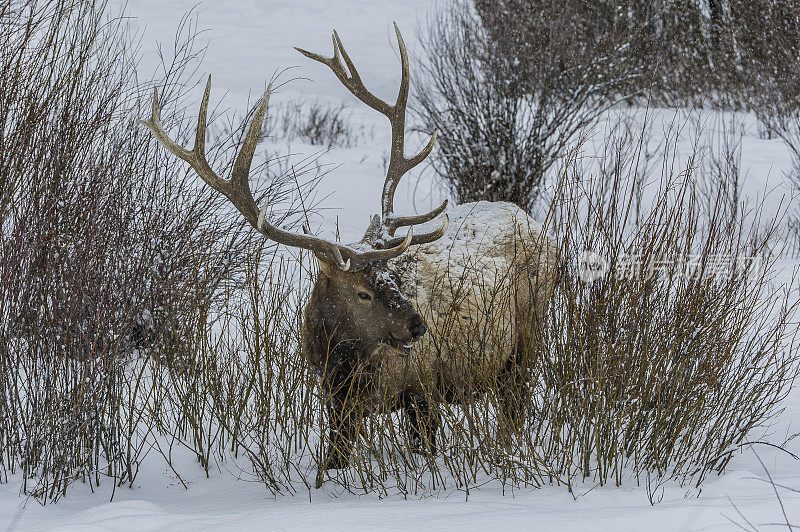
<point>483,266</point>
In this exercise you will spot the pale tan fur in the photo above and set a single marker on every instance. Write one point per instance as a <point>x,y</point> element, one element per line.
<point>486,281</point>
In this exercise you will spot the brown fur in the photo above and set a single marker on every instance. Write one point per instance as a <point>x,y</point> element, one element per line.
<point>349,315</point>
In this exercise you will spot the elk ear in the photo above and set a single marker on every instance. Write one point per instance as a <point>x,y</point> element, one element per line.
<point>325,265</point>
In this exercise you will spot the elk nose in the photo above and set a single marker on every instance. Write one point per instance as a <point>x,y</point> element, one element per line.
<point>418,328</point>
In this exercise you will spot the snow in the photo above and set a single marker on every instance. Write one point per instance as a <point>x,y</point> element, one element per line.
<point>221,502</point>
<point>248,40</point>
<point>473,226</point>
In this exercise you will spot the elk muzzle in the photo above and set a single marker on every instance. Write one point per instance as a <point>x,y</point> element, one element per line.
<point>416,330</point>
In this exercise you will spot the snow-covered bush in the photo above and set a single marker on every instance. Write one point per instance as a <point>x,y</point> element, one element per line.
<point>689,53</point>
<point>507,91</point>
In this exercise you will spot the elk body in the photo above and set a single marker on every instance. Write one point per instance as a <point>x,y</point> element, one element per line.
<point>392,326</point>
<point>443,320</point>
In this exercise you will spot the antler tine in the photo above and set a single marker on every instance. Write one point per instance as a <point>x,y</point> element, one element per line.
<point>423,238</point>
<point>237,188</point>
<point>236,191</point>
<point>399,164</point>
<point>352,81</point>
<point>405,75</point>
<point>401,221</point>
<point>398,247</point>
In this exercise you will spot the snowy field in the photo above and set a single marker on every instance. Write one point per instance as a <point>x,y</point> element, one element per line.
<point>247,41</point>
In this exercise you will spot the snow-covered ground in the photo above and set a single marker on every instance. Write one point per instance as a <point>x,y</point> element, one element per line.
<point>248,40</point>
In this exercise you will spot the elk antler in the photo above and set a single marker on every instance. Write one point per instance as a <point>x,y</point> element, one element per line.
<point>237,188</point>
<point>399,164</point>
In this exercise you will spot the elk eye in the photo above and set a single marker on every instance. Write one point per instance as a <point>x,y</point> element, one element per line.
<point>365,296</point>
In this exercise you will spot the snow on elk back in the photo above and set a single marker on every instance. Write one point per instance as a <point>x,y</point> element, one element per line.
<point>479,287</point>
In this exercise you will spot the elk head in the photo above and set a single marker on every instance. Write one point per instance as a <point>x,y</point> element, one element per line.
<point>366,305</point>
<point>363,294</point>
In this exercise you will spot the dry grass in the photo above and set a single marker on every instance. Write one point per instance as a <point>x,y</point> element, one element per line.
<point>316,123</point>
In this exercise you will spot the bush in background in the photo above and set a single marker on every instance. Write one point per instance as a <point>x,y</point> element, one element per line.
<point>508,86</point>
<point>512,85</point>
<point>315,123</point>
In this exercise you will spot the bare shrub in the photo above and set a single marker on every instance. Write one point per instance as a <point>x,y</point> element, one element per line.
<point>66,306</point>
<point>768,42</point>
<point>690,53</point>
<point>109,249</point>
<point>719,174</point>
<point>249,395</point>
<point>681,352</point>
<point>771,74</point>
<point>508,88</point>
